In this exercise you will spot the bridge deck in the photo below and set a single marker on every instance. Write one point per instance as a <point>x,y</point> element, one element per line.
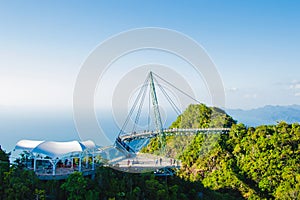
<point>174,131</point>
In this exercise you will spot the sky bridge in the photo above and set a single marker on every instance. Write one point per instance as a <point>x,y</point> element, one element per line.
<point>56,160</point>
<point>171,132</point>
<point>151,84</point>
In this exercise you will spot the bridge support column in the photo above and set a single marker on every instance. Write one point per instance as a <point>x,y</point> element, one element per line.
<point>79,167</point>
<point>53,167</point>
<point>93,162</point>
<point>158,122</point>
<point>87,161</point>
<point>34,164</point>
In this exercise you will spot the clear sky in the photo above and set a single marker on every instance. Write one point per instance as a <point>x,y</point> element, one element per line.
<point>254,44</point>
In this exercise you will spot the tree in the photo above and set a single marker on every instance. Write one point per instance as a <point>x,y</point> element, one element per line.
<point>4,167</point>
<point>261,162</point>
<point>20,184</point>
<point>75,186</point>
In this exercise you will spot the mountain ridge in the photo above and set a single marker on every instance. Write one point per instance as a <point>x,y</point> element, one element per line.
<point>267,115</point>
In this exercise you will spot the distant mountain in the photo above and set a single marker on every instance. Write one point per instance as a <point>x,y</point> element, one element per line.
<point>266,115</point>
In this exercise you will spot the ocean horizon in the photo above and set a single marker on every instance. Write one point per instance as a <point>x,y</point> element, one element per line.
<point>18,124</point>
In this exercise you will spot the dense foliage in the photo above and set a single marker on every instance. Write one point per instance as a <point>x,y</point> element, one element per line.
<point>201,116</point>
<point>195,116</point>
<point>107,184</point>
<point>262,162</point>
<point>245,163</point>
<point>4,167</point>
<point>254,163</point>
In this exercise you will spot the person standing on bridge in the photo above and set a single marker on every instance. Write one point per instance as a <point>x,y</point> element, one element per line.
<point>128,162</point>
<point>156,161</point>
<point>160,161</point>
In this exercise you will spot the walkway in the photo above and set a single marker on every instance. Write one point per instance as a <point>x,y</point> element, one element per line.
<point>173,131</point>
<point>143,163</point>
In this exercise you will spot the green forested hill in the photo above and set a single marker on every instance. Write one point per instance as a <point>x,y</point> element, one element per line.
<point>201,116</point>
<point>195,116</point>
<point>254,163</point>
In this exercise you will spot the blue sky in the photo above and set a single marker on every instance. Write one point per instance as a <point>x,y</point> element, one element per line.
<point>254,44</point>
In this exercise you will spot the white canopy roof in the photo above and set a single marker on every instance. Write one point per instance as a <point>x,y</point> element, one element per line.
<point>89,144</point>
<point>27,145</point>
<point>55,149</point>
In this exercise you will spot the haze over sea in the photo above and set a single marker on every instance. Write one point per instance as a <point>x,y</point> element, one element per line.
<point>24,123</point>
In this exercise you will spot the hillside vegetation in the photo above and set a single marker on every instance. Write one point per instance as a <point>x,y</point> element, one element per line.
<point>195,116</point>
<point>254,163</point>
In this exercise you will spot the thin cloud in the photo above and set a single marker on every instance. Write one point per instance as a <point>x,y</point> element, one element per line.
<point>295,85</point>
<point>250,96</point>
<point>297,94</point>
<point>232,89</point>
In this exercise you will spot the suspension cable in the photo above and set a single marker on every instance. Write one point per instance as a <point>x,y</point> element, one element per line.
<point>149,110</point>
<point>171,102</point>
<point>137,117</point>
<point>133,107</point>
<point>177,88</point>
<point>141,97</point>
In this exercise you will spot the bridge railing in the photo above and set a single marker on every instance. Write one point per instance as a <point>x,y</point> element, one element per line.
<point>119,143</point>
<point>149,134</point>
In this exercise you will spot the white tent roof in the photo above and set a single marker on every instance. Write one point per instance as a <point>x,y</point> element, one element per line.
<point>89,144</point>
<point>55,149</point>
<point>27,144</point>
